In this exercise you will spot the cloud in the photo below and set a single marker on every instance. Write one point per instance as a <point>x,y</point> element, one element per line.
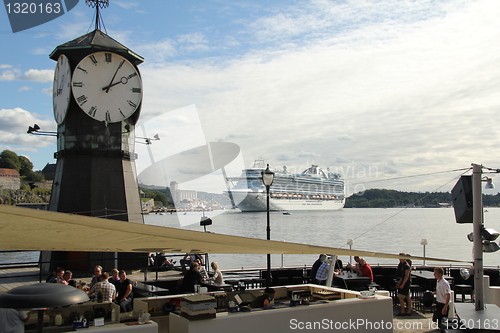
<point>14,125</point>
<point>34,75</point>
<point>351,82</point>
<point>24,88</point>
<point>127,4</point>
<point>39,75</point>
<point>4,66</point>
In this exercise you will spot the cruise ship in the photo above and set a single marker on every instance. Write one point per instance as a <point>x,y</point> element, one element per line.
<point>313,189</point>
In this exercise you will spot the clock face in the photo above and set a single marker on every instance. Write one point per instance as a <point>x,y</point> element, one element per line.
<point>61,90</point>
<point>107,87</point>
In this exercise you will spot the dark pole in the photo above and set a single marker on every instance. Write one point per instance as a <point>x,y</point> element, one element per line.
<point>268,276</point>
<point>40,321</point>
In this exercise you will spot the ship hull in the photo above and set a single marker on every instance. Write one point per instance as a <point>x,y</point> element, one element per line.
<point>256,202</point>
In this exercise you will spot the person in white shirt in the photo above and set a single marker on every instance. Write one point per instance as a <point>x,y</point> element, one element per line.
<point>442,296</point>
<point>12,320</point>
<point>217,278</point>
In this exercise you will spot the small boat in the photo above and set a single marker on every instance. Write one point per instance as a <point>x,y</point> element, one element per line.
<point>287,213</point>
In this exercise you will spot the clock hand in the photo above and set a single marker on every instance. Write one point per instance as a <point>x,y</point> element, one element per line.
<point>59,90</point>
<point>111,82</point>
<point>123,80</point>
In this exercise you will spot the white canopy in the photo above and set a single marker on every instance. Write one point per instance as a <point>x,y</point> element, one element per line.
<point>36,230</point>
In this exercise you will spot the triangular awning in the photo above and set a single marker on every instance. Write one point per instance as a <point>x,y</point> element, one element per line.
<point>35,230</point>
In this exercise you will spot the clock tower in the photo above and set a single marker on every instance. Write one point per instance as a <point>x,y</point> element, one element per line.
<point>97,97</point>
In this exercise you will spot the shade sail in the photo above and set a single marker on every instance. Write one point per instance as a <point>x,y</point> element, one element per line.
<point>35,230</point>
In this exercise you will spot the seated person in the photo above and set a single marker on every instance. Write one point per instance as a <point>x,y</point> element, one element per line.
<point>68,275</point>
<point>114,276</point>
<point>168,263</point>
<point>203,271</point>
<point>355,268</point>
<point>264,300</point>
<point>217,277</point>
<point>58,277</point>
<point>151,259</point>
<point>106,288</point>
<point>124,291</point>
<point>188,259</point>
<point>95,277</point>
<point>365,269</point>
<point>191,278</point>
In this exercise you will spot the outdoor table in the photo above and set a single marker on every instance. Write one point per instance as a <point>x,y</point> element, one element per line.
<point>214,286</point>
<point>472,319</point>
<point>351,281</point>
<point>151,289</point>
<point>427,281</point>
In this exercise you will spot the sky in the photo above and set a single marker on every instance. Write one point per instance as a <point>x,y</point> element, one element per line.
<point>389,93</point>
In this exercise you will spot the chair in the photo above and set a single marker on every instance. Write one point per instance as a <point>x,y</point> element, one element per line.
<point>416,296</point>
<point>427,301</point>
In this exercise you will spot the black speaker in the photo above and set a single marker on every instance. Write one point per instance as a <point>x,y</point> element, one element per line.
<point>462,200</point>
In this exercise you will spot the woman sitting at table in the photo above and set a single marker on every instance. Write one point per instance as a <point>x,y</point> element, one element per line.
<point>114,278</point>
<point>217,278</point>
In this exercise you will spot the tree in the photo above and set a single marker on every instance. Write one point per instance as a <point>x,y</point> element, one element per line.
<point>26,167</point>
<point>10,160</point>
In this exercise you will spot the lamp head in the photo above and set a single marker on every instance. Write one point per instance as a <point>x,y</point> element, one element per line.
<point>490,246</point>
<point>423,241</point>
<point>489,234</point>
<point>205,220</point>
<point>267,176</point>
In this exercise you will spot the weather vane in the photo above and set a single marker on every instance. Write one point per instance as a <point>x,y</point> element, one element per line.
<point>97,4</point>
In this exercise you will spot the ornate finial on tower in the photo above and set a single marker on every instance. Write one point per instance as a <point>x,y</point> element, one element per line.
<point>97,4</point>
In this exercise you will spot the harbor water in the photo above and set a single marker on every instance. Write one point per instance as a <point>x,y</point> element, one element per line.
<point>390,230</point>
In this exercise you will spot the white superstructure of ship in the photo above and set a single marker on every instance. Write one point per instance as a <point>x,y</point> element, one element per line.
<point>313,189</point>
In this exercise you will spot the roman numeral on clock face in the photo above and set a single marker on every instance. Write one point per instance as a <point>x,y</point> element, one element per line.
<point>108,116</point>
<point>108,57</point>
<point>136,90</point>
<point>132,104</point>
<point>94,60</point>
<point>92,111</point>
<point>81,100</point>
<point>78,84</point>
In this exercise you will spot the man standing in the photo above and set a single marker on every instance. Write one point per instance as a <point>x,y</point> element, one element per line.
<point>403,286</point>
<point>442,296</point>
<point>322,273</point>
<point>315,268</point>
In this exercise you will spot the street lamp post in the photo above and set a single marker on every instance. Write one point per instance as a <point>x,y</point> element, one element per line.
<point>423,242</point>
<point>350,242</point>
<point>267,179</point>
<point>477,222</point>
